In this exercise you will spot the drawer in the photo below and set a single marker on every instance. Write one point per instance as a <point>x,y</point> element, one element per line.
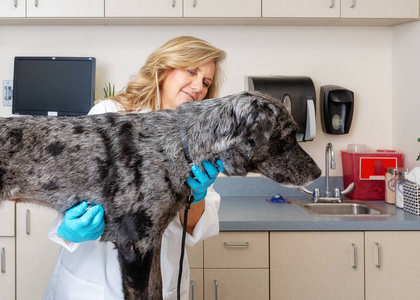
<point>237,250</point>
<point>195,256</point>
<point>7,218</point>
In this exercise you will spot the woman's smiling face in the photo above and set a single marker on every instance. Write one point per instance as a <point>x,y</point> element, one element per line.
<point>184,85</point>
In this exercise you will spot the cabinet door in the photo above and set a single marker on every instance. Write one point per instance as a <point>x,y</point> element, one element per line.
<point>35,253</point>
<point>392,265</point>
<point>301,8</point>
<point>143,8</point>
<point>196,284</point>
<point>7,268</point>
<point>379,8</point>
<point>12,9</point>
<point>316,265</point>
<point>222,8</point>
<point>7,218</point>
<point>236,284</point>
<point>65,8</point>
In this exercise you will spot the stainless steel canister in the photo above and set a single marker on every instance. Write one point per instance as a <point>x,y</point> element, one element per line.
<point>401,177</point>
<point>390,177</point>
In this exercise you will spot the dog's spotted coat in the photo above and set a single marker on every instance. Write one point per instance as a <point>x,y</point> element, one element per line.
<point>134,166</point>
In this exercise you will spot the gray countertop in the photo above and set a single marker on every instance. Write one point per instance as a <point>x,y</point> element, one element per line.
<point>254,213</point>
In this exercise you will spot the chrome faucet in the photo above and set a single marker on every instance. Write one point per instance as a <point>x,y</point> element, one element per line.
<point>337,195</point>
<point>328,149</point>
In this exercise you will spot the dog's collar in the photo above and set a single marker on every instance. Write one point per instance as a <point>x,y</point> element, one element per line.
<point>184,142</point>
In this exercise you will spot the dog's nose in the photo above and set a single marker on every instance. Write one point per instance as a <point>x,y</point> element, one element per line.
<point>317,172</point>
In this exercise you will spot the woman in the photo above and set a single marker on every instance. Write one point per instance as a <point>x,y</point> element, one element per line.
<point>184,69</point>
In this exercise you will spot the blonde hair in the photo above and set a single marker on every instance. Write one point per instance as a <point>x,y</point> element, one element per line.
<point>178,53</point>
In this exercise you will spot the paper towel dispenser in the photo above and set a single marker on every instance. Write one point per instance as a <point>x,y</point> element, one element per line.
<point>297,93</point>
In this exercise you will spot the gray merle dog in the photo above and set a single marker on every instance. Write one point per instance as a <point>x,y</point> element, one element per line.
<point>135,167</point>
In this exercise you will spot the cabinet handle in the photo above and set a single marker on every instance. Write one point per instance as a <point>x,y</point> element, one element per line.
<point>215,289</point>
<point>15,3</point>
<point>3,260</point>
<point>332,4</point>
<point>36,3</point>
<point>245,244</point>
<point>173,3</point>
<point>194,3</point>
<point>28,221</point>
<point>192,289</point>
<point>354,266</point>
<point>379,255</point>
<point>352,3</point>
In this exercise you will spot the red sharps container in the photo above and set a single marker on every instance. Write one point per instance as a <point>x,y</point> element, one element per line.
<point>367,171</point>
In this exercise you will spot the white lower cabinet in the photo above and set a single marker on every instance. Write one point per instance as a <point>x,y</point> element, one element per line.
<point>232,265</point>
<point>236,284</point>
<point>317,265</point>
<point>374,265</point>
<point>7,268</point>
<point>35,253</point>
<point>392,265</point>
<point>7,251</point>
<point>236,266</point>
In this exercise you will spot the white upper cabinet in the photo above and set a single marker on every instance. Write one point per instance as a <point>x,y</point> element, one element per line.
<point>301,8</point>
<point>65,8</point>
<point>143,8</point>
<point>222,8</point>
<point>12,8</point>
<point>379,8</point>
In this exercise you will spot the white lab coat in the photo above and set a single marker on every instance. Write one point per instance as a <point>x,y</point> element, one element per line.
<point>90,270</point>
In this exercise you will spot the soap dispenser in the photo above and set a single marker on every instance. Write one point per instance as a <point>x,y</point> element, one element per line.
<point>337,104</point>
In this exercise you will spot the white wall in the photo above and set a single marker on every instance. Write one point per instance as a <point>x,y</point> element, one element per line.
<point>406,91</point>
<point>357,58</point>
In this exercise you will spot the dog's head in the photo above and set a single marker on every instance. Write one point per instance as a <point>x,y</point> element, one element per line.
<point>252,132</point>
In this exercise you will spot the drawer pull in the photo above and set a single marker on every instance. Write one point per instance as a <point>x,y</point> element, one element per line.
<point>36,3</point>
<point>3,261</point>
<point>194,3</point>
<point>192,289</point>
<point>352,4</point>
<point>215,289</point>
<point>28,221</point>
<point>379,255</point>
<point>173,3</point>
<point>332,4</point>
<point>245,244</point>
<point>15,3</point>
<point>354,266</point>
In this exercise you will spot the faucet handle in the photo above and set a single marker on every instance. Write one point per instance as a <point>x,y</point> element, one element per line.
<point>337,192</point>
<point>305,190</point>
<point>316,193</point>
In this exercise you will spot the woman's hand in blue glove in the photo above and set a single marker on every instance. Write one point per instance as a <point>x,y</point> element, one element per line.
<point>203,180</point>
<point>81,224</point>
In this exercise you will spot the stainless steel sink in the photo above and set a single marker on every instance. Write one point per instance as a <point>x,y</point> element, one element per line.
<point>347,208</point>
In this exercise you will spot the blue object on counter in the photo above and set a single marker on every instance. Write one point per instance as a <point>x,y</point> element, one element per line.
<point>277,198</point>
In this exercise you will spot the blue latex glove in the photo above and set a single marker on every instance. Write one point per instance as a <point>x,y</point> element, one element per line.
<point>81,224</point>
<point>203,180</point>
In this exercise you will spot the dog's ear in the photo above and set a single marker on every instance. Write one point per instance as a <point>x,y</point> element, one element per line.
<point>249,118</point>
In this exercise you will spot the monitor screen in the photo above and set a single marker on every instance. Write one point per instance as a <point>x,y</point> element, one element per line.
<point>54,86</point>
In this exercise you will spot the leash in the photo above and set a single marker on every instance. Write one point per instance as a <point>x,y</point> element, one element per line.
<point>184,234</point>
<point>190,199</point>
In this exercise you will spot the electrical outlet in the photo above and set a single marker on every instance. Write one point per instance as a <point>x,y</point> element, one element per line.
<point>7,92</point>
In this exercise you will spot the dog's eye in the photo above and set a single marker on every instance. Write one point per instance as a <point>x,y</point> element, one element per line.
<point>288,139</point>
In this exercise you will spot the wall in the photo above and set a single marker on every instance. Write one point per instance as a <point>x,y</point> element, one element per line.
<point>406,91</point>
<point>358,58</point>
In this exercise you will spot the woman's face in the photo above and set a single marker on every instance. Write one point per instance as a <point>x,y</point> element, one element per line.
<point>184,85</point>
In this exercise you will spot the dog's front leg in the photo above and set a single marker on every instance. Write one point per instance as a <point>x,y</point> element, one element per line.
<point>155,279</point>
<point>135,269</point>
